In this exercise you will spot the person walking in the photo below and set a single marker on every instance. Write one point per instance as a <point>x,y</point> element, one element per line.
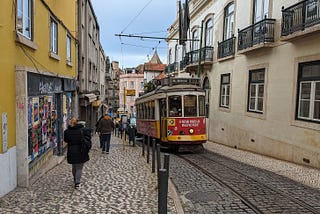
<point>77,155</point>
<point>106,127</point>
<point>98,131</point>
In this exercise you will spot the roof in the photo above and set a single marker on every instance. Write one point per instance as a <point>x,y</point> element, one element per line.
<point>154,67</point>
<point>155,59</point>
<point>161,76</point>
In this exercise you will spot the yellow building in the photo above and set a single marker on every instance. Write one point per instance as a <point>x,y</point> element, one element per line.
<point>38,81</point>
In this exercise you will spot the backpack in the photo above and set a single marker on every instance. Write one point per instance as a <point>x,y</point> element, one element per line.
<point>86,142</point>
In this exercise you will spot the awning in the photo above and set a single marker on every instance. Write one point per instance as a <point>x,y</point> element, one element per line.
<point>90,97</point>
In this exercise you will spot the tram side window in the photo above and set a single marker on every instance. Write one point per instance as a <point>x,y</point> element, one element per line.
<point>175,106</point>
<point>163,107</point>
<point>202,106</point>
<point>190,106</point>
<point>152,110</point>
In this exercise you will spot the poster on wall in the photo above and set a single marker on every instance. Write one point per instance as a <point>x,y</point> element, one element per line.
<point>42,126</point>
<point>67,111</point>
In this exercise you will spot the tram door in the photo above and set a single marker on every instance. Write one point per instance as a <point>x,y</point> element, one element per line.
<point>163,118</point>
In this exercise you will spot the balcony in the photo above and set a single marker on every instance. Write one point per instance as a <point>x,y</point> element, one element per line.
<point>192,59</point>
<point>171,68</point>
<point>108,76</point>
<point>300,19</point>
<point>226,48</point>
<point>258,35</point>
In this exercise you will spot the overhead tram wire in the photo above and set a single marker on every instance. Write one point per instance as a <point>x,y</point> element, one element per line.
<point>136,16</point>
<point>153,37</point>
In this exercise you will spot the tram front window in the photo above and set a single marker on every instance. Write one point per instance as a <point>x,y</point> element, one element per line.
<point>190,106</point>
<point>175,106</point>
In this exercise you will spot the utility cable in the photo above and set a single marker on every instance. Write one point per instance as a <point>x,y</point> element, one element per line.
<point>136,16</point>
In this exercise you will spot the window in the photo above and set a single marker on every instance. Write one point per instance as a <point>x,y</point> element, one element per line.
<point>261,10</point>
<point>176,53</point>
<point>308,104</point>
<point>190,105</point>
<point>170,56</point>
<point>202,106</point>
<point>256,90</point>
<point>195,44</point>
<point>68,48</point>
<point>208,34</point>
<point>24,21</point>
<point>175,106</point>
<point>228,21</point>
<point>131,84</point>
<point>53,36</point>
<point>225,91</point>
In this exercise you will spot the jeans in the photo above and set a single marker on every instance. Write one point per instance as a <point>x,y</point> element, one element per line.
<point>105,138</point>
<point>77,172</point>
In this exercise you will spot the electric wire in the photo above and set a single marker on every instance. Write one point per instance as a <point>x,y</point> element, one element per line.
<point>136,16</point>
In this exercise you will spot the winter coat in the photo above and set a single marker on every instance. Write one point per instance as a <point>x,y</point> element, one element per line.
<point>106,125</point>
<point>73,137</point>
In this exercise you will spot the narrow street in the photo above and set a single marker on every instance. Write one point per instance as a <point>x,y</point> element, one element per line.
<point>120,182</point>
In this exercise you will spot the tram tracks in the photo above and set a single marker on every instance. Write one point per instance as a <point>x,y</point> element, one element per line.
<point>255,194</point>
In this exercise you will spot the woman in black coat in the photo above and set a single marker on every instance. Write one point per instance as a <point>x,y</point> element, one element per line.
<point>76,154</point>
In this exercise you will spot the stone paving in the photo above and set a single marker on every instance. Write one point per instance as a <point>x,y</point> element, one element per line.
<point>119,182</point>
<point>302,174</point>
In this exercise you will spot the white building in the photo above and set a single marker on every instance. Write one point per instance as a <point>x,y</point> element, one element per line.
<point>260,66</point>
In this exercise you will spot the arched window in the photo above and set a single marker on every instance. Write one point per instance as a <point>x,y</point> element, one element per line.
<point>261,10</point>
<point>208,34</point>
<point>176,52</point>
<point>195,38</point>
<point>228,21</point>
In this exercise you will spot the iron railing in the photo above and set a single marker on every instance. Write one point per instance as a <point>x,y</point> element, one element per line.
<point>192,57</point>
<point>226,48</point>
<point>260,32</point>
<point>171,67</point>
<point>300,16</point>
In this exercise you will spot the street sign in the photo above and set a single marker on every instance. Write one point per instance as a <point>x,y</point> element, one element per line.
<point>130,92</point>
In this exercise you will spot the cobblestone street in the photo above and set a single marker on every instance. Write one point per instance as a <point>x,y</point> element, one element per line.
<point>120,182</point>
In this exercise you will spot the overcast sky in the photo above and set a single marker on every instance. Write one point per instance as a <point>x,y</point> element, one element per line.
<point>137,17</point>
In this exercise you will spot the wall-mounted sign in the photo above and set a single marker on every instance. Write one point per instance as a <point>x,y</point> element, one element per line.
<point>130,92</point>
<point>4,132</point>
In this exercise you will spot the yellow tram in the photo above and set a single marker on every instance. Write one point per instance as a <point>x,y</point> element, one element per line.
<point>173,113</point>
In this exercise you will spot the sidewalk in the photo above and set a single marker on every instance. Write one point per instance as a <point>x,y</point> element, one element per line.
<point>303,174</point>
<point>120,182</point>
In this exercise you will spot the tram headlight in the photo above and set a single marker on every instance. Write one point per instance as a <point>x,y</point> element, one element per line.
<point>191,131</point>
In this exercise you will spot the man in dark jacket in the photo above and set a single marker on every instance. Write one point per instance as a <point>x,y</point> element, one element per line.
<point>106,127</point>
<point>77,155</point>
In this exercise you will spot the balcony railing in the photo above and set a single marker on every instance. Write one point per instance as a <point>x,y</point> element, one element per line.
<point>183,63</point>
<point>260,32</point>
<point>300,16</point>
<point>192,57</point>
<point>226,48</point>
<point>171,67</point>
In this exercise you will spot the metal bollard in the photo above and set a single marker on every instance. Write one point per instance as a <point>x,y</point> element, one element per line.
<point>166,162</point>
<point>162,191</point>
<point>153,155</point>
<point>143,145</point>
<point>148,149</point>
<point>134,141</point>
<point>158,158</point>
